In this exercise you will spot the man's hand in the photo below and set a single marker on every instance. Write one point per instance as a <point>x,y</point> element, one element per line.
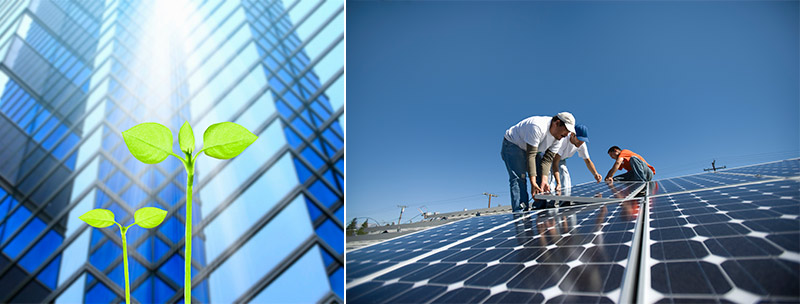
<point>609,179</point>
<point>545,186</point>
<point>558,187</point>
<point>535,190</point>
<point>598,177</point>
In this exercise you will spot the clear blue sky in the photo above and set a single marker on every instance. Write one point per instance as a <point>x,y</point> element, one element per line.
<point>432,87</point>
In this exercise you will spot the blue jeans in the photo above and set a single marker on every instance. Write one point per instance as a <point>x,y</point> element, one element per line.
<point>516,161</point>
<point>639,172</point>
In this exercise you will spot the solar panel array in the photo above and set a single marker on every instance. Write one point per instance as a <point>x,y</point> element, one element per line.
<point>576,254</point>
<point>715,237</point>
<point>615,190</point>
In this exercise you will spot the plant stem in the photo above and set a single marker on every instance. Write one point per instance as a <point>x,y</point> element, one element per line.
<point>187,283</point>
<point>125,261</point>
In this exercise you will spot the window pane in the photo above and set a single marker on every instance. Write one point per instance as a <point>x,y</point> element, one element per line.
<point>335,93</point>
<point>331,63</point>
<point>74,256</point>
<point>332,234</point>
<point>73,294</point>
<point>327,35</point>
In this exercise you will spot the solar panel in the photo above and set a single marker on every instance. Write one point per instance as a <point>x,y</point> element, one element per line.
<point>702,181</point>
<point>738,244</point>
<point>726,236</point>
<point>386,254</point>
<point>789,167</point>
<point>594,192</point>
<point>564,255</point>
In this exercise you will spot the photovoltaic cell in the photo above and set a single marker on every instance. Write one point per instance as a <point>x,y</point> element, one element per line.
<point>558,255</point>
<point>735,244</point>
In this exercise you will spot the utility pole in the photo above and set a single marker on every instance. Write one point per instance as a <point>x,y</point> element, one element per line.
<point>402,208</point>
<point>714,167</point>
<point>490,198</point>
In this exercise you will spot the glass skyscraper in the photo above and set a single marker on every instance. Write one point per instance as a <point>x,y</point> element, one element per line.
<point>74,74</point>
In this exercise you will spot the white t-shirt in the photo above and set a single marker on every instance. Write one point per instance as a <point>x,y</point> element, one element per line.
<point>568,149</point>
<point>534,131</point>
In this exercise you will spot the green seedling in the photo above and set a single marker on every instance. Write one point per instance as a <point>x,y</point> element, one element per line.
<point>147,217</point>
<point>151,143</point>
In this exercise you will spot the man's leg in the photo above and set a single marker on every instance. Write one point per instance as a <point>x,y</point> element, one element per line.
<point>625,177</point>
<point>566,181</point>
<point>640,170</point>
<point>516,165</point>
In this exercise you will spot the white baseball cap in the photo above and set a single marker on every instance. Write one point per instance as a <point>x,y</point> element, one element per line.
<point>568,120</point>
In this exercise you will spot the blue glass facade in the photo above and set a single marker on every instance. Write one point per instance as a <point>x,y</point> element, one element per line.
<point>74,74</point>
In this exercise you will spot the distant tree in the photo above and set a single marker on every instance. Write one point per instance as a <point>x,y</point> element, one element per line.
<point>351,228</point>
<point>363,226</point>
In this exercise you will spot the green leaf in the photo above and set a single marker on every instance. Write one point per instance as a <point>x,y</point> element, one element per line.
<point>100,218</point>
<point>186,138</point>
<point>149,142</point>
<point>149,217</point>
<point>226,140</point>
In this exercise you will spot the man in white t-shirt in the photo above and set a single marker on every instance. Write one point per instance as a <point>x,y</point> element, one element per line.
<point>521,144</point>
<point>575,142</point>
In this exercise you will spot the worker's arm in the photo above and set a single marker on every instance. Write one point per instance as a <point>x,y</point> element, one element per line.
<point>610,175</point>
<point>547,162</point>
<point>556,173</point>
<point>531,151</point>
<point>590,166</point>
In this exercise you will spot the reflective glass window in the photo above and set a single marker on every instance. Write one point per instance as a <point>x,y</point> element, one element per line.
<point>256,201</point>
<point>43,248</point>
<point>285,289</point>
<point>74,256</point>
<point>323,193</point>
<point>13,222</point>
<point>99,294</point>
<point>332,234</point>
<point>249,264</point>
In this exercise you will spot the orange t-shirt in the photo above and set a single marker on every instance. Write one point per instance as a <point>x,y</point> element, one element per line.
<point>626,160</point>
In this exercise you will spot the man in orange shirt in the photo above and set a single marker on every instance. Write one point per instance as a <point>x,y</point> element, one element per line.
<point>638,168</point>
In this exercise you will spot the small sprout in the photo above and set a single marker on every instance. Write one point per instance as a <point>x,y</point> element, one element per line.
<point>151,143</point>
<point>147,217</point>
